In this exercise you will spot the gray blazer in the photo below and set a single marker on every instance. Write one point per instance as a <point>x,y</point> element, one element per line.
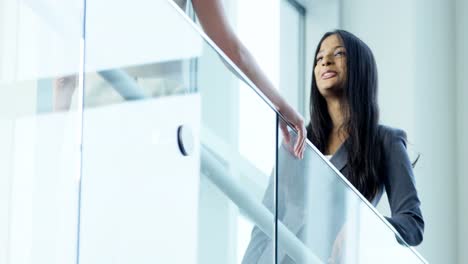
<point>398,183</point>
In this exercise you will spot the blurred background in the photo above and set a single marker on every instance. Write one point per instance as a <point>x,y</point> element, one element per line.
<point>421,53</point>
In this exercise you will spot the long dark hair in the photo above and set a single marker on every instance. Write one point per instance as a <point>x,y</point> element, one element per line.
<point>361,112</point>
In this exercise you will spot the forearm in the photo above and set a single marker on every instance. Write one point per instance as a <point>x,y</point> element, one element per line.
<point>249,66</point>
<point>410,227</point>
<point>213,20</point>
<point>401,189</point>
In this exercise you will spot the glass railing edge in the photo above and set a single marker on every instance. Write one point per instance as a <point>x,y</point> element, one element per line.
<point>360,196</point>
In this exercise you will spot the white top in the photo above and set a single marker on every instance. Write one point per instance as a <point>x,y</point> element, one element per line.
<point>328,157</point>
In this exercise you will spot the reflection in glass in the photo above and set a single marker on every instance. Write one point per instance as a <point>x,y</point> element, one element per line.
<point>322,209</point>
<point>129,157</point>
<point>40,155</point>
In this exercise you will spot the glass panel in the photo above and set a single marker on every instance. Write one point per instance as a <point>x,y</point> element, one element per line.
<point>142,200</point>
<point>151,57</point>
<point>231,196</point>
<point>141,158</point>
<point>40,139</point>
<point>333,223</point>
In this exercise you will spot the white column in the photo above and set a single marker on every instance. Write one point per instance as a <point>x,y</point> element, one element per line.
<point>462,125</point>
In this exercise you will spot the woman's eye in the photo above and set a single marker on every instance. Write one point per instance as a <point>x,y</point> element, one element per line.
<point>319,59</point>
<point>340,53</point>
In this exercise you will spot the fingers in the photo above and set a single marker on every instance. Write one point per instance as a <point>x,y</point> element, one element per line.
<point>63,91</point>
<point>287,138</point>
<point>284,130</point>
<point>304,144</point>
<point>299,146</point>
<point>66,82</point>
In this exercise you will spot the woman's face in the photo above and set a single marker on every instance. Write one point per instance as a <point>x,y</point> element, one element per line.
<point>330,68</point>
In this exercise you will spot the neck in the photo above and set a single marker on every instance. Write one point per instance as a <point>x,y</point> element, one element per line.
<point>335,112</point>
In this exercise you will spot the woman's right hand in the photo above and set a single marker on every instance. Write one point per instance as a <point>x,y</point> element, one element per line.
<point>297,122</point>
<point>64,87</point>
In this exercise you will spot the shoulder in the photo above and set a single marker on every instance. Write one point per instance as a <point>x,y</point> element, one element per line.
<point>389,135</point>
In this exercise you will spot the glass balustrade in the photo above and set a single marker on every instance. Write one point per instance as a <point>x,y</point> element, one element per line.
<point>141,198</point>
<point>329,216</point>
<point>129,137</point>
<point>40,49</point>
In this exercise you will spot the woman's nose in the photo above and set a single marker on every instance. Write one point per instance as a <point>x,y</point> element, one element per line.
<point>326,61</point>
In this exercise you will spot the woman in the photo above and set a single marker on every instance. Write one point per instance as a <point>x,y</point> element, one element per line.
<point>344,126</point>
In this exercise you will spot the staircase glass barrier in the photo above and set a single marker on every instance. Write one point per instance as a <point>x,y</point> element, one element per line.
<point>160,151</point>
<point>172,170</point>
<point>39,137</point>
<point>329,216</point>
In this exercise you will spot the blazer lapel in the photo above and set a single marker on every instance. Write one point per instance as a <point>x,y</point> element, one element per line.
<point>340,158</point>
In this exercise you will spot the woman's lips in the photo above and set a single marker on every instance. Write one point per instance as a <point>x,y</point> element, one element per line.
<point>328,75</point>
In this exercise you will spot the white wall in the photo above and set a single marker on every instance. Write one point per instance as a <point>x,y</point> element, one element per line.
<point>8,38</point>
<point>393,56</point>
<point>392,42</point>
<point>322,16</point>
<point>435,110</point>
<point>462,121</point>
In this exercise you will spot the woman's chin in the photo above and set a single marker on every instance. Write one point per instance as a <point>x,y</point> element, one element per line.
<point>329,91</point>
<point>326,88</point>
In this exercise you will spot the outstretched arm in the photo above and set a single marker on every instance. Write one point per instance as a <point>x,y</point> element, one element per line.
<point>214,22</point>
